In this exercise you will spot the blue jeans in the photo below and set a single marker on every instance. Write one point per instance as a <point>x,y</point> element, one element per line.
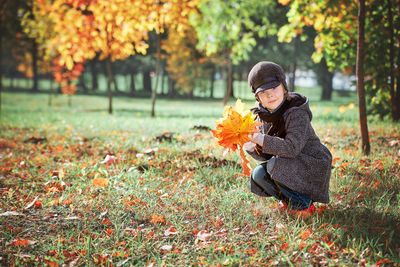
<point>297,201</point>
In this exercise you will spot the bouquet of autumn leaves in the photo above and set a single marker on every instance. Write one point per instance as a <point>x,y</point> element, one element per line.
<point>233,130</point>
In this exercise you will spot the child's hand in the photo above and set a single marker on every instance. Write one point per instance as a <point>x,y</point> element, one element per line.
<point>257,138</point>
<point>249,146</point>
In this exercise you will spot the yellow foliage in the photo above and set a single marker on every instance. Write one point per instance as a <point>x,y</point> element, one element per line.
<point>187,67</point>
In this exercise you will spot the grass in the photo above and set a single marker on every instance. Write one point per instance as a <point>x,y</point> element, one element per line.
<point>172,198</point>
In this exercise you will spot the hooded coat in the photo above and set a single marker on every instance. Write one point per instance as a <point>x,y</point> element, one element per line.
<point>302,162</point>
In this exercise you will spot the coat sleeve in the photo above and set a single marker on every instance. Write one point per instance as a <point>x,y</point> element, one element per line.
<point>258,156</point>
<point>297,126</point>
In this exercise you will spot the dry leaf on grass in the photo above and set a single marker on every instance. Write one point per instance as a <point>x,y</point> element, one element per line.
<point>100,182</point>
<point>204,235</point>
<point>171,231</point>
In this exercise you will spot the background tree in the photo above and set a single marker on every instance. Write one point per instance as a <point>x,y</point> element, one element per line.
<point>360,78</point>
<point>228,28</point>
<point>332,28</point>
<point>188,67</point>
<point>10,32</point>
<point>336,27</point>
<point>83,28</point>
<point>174,15</point>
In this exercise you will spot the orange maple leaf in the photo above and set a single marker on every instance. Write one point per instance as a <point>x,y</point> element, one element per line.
<point>100,182</point>
<point>305,234</point>
<point>21,242</point>
<point>233,130</point>
<point>157,219</point>
<point>284,2</point>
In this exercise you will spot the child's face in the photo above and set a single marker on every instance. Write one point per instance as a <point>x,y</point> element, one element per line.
<point>271,98</point>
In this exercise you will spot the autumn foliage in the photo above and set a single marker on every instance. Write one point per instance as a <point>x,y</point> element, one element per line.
<point>74,31</point>
<point>186,65</point>
<point>234,128</point>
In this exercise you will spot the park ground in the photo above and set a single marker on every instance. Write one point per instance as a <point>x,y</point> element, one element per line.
<point>81,187</point>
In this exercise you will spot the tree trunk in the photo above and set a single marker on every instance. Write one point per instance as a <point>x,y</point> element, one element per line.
<point>154,92</point>
<point>292,76</point>
<point>51,91</point>
<point>293,66</point>
<point>95,83</point>
<point>212,81</point>
<point>391,60</point>
<point>133,88</point>
<point>146,81</point>
<point>35,66</point>
<point>1,71</point>
<point>115,84</point>
<point>109,81</point>
<point>171,87</point>
<point>325,80</point>
<point>396,116</point>
<point>162,82</point>
<point>360,79</point>
<point>229,82</point>
<point>82,83</point>
<point>232,84</point>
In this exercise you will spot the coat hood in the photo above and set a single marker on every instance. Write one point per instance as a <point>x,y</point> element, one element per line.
<point>302,103</point>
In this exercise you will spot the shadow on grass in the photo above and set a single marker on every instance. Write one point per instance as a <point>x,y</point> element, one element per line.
<point>363,227</point>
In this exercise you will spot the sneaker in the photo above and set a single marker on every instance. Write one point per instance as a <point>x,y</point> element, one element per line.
<point>306,213</point>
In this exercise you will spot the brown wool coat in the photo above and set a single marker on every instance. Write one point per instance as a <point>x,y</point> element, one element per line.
<point>302,163</point>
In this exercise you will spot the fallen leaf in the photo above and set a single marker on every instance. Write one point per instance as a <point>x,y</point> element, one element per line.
<point>74,262</point>
<point>59,148</point>
<point>31,204</point>
<point>21,242</point>
<point>305,234</point>
<point>376,185</point>
<point>394,142</point>
<point>73,218</point>
<point>109,231</point>
<point>100,182</point>
<point>284,246</point>
<point>170,231</point>
<point>279,226</point>
<point>382,261</point>
<point>226,262</point>
<point>221,232</point>
<point>122,262</point>
<point>53,203</point>
<point>109,159</point>
<point>157,219</point>
<point>166,247</point>
<point>12,213</point>
<point>204,235</point>
<point>26,256</point>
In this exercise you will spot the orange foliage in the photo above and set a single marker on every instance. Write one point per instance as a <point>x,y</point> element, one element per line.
<point>284,2</point>
<point>233,130</point>
<point>157,219</point>
<point>100,182</point>
<point>305,234</point>
<point>78,30</point>
<point>21,242</point>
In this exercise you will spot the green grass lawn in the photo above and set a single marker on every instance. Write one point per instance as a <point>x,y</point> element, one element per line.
<point>79,186</point>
